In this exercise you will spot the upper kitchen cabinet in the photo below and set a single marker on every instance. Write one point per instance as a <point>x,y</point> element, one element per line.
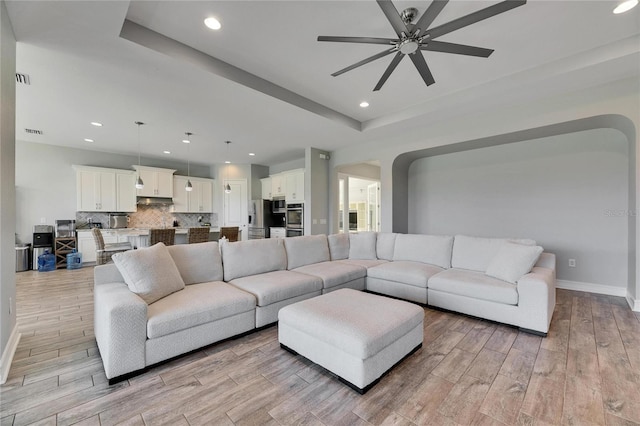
<point>278,183</point>
<point>96,189</point>
<point>105,190</point>
<point>126,191</point>
<point>157,182</point>
<point>266,189</point>
<point>294,187</point>
<point>198,200</point>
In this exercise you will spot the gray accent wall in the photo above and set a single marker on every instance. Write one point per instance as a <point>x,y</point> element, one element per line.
<point>7,187</point>
<point>569,192</point>
<point>316,190</point>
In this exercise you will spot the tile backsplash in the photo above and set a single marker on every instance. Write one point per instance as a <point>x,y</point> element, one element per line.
<point>151,217</point>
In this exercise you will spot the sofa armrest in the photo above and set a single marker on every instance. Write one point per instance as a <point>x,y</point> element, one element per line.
<point>120,326</point>
<point>537,298</point>
<point>109,273</point>
<point>547,260</point>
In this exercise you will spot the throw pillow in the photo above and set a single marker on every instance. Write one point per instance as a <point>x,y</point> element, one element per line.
<point>362,246</point>
<point>149,272</point>
<point>513,261</point>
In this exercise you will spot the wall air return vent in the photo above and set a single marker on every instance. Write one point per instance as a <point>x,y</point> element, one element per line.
<point>23,78</point>
<point>33,131</point>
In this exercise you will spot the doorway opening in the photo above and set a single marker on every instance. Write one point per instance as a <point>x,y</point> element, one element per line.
<point>358,204</point>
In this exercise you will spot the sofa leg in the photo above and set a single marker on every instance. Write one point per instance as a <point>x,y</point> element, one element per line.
<point>537,333</point>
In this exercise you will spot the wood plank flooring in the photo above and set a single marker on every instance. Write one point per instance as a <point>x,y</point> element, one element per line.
<point>469,371</point>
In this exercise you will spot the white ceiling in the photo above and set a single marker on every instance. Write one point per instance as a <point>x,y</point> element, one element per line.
<point>81,70</point>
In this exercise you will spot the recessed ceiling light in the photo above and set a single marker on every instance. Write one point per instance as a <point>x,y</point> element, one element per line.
<point>364,104</point>
<point>95,123</point>
<point>88,140</point>
<point>167,152</point>
<point>625,6</point>
<point>212,23</point>
<point>186,141</point>
<point>252,154</point>
<point>227,162</point>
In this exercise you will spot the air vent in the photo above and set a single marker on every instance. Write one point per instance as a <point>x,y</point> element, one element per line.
<point>22,78</point>
<point>33,131</point>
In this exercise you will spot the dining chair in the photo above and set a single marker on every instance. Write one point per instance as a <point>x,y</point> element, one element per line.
<point>105,251</point>
<point>162,235</point>
<point>230,233</point>
<point>198,234</point>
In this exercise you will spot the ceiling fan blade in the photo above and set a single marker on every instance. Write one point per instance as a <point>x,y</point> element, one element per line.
<point>459,49</point>
<point>422,67</point>
<point>392,66</point>
<point>364,61</point>
<point>393,16</point>
<point>430,14</point>
<point>370,40</point>
<point>474,17</point>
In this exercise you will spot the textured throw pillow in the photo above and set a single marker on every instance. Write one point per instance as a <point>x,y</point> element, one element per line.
<point>513,261</point>
<point>362,246</point>
<point>149,272</point>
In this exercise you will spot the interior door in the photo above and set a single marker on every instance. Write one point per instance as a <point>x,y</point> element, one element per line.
<point>236,206</point>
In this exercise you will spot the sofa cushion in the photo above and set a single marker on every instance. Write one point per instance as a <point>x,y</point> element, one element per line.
<point>406,272</point>
<point>362,245</point>
<point>385,244</point>
<point>306,250</point>
<point>195,305</point>
<point>197,263</point>
<point>334,273</point>
<point>475,253</point>
<point>513,261</point>
<point>149,272</point>
<point>433,249</point>
<point>475,285</point>
<point>338,246</point>
<point>244,258</point>
<point>276,286</point>
<point>365,263</point>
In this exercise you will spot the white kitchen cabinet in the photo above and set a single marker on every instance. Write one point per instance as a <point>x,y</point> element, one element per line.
<point>266,189</point>
<point>199,200</point>
<point>96,189</point>
<point>157,182</point>
<point>86,246</point>
<point>126,191</point>
<point>294,187</point>
<point>278,183</point>
<point>277,232</point>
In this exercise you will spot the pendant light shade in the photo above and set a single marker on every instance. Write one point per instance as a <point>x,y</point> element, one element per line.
<point>188,187</point>
<point>139,182</point>
<point>227,187</point>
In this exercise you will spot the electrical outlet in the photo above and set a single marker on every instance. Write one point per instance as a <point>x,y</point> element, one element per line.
<point>572,263</point>
<point>10,305</point>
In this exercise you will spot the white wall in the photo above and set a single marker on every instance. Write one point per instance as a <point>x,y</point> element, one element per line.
<point>46,183</point>
<point>7,191</point>
<point>288,165</point>
<point>565,191</point>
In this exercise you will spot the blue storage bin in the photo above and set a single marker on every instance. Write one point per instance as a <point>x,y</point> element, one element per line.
<point>46,262</point>
<point>74,260</point>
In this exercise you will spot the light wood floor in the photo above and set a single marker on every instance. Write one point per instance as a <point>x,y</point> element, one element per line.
<point>587,371</point>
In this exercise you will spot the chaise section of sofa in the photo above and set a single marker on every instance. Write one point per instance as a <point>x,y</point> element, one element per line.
<point>133,333</point>
<point>259,267</point>
<point>310,255</point>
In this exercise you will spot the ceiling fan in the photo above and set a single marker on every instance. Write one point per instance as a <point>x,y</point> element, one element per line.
<point>415,37</point>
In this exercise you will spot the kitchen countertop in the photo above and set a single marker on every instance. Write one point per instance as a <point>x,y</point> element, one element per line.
<point>144,231</point>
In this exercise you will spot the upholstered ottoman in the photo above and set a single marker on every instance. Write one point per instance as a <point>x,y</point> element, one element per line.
<point>355,335</point>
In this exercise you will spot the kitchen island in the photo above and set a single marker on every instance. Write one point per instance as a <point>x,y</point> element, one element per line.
<point>138,237</point>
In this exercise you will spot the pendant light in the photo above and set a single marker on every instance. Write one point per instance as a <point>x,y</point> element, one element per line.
<point>227,187</point>
<point>139,182</point>
<point>188,187</point>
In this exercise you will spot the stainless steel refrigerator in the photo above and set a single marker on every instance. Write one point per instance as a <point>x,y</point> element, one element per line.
<point>261,218</point>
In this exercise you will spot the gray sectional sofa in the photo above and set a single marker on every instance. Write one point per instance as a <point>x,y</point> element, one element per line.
<point>156,303</point>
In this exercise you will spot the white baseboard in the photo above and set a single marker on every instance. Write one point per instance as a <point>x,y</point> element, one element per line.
<point>592,288</point>
<point>634,304</point>
<point>8,353</point>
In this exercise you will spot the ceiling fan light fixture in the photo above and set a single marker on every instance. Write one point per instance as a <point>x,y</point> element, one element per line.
<point>212,23</point>
<point>625,6</point>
